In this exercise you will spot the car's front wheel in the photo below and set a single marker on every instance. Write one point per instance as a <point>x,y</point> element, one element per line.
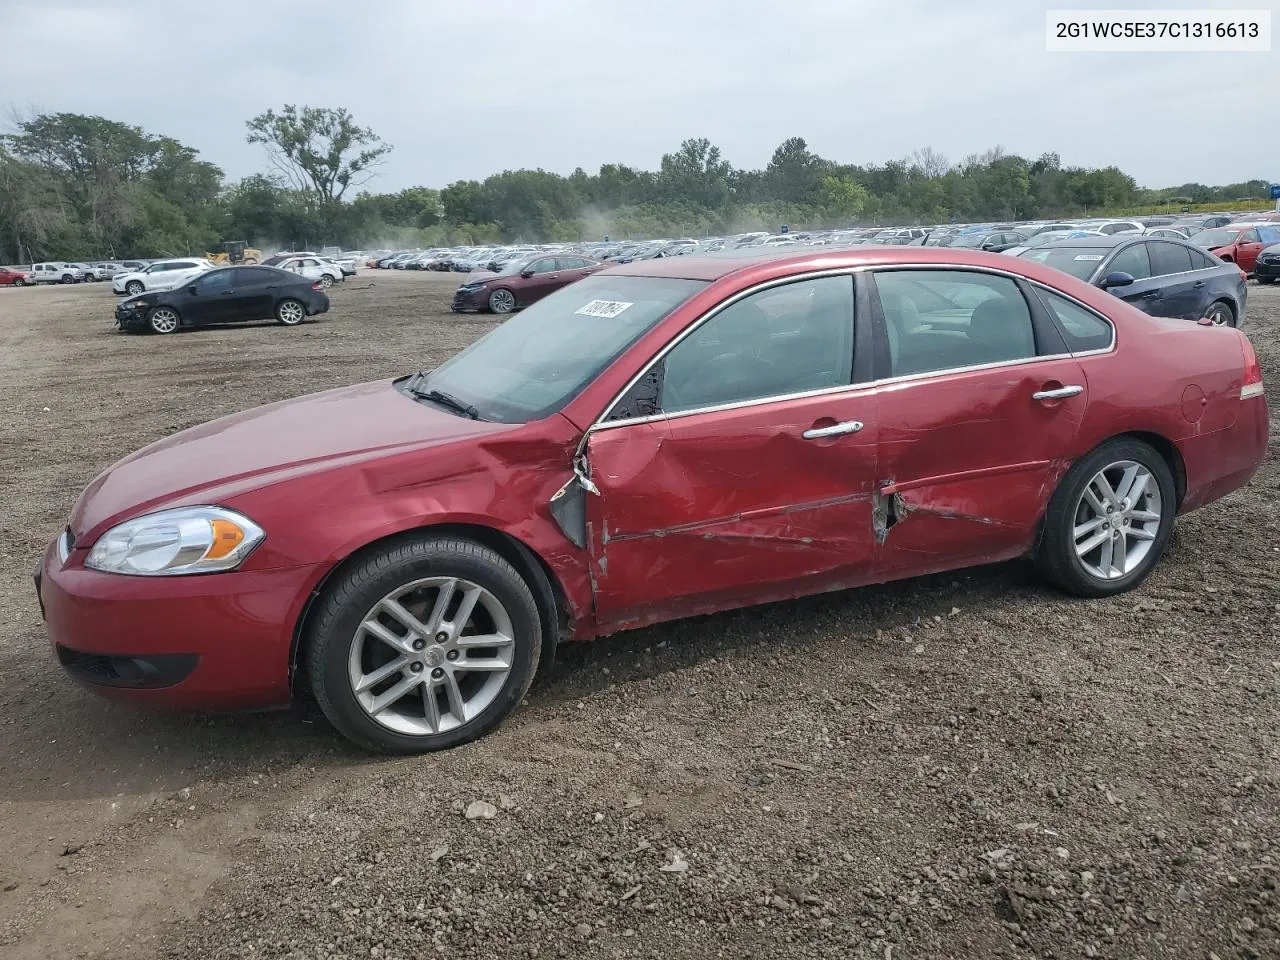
<point>1109,520</point>
<point>163,320</point>
<point>423,644</point>
<point>290,312</point>
<point>68,278</point>
<point>326,281</point>
<point>134,287</point>
<point>502,300</point>
<point>19,282</point>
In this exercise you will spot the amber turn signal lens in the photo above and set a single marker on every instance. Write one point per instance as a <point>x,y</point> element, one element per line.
<point>226,537</point>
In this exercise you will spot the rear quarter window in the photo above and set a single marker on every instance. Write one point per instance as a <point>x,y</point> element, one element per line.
<point>1083,329</point>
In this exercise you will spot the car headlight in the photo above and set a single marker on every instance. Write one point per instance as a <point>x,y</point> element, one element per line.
<point>174,542</point>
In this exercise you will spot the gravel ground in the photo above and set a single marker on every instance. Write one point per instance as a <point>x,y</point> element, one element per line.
<point>964,766</point>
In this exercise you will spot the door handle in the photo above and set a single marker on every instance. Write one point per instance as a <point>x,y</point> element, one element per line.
<point>1061,393</point>
<point>835,430</point>
<point>1198,284</point>
<point>1151,295</point>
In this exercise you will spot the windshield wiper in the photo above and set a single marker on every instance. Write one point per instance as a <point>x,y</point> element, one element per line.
<point>440,397</point>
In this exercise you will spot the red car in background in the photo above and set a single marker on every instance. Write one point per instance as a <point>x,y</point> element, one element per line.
<point>17,278</point>
<point>1239,243</point>
<point>522,282</point>
<point>667,438</point>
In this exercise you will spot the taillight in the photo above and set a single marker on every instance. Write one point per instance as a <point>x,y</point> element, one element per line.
<point>1251,385</point>
<point>315,285</point>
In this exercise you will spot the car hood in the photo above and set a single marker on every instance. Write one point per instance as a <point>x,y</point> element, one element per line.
<point>217,461</point>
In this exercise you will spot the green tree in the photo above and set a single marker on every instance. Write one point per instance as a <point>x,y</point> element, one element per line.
<point>320,150</point>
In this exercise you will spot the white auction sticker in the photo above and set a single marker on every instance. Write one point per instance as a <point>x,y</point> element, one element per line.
<point>1153,31</point>
<point>1089,256</point>
<point>603,308</point>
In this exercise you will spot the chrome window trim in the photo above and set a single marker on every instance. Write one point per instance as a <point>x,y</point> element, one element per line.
<point>871,386</point>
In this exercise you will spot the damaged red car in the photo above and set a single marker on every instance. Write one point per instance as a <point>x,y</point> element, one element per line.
<point>661,439</point>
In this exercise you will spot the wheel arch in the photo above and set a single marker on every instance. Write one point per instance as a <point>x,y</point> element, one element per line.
<point>547,590</point>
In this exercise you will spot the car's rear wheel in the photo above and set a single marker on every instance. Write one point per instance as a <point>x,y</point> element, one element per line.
<point>424,644</point>
<point>19,282</point>
<point>1109,520</point>
<point>290,312</point>
<point>163,320</point>
<point>326,281</point>
<point>134,287</point>
<point>502,300</point>
<point>68,278</point>
<point>1221,314</point>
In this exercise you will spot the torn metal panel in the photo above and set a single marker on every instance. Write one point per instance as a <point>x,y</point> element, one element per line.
<point>726,504</point>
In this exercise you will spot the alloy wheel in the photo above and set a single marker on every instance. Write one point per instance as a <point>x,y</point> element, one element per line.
<point>133,288</point>
<point>291,313</point>
<point>1117,519</point>
<point>326,281</point>
<point>1221,315</point>
<point>163,320</point>
<point>431,656</point>
<point>502,301</point>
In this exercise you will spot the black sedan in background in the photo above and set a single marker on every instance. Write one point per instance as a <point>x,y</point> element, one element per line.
<point>228,295</point>
<point>1165,278</point>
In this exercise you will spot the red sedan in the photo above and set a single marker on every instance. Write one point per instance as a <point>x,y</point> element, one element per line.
<point>1239,243</point>
<point>661,439</point>
<point>17,278</point>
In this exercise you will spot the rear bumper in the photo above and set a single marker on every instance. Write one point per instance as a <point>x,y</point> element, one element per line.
<point>1224,461</point>
<point>215,642</point>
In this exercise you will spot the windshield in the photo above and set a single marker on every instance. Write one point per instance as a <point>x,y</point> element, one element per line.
<point>1078,261</point>
<point>544,356</point>
<point>1215,238</point>
<point>968,240</point>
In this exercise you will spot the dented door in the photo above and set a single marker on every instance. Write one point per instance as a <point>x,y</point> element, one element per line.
<point>722,509</point>
<point>970,459</point>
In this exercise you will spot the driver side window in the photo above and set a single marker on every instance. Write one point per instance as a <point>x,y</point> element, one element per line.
<point>545,265</point>
<point>215,282</point>
<point>784,340</point>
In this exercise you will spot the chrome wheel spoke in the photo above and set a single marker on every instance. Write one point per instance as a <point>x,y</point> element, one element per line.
<point>1093,542</point>
<point>385,700</point>
<point>469,600</point>
<point>453,693</point>
<point>1105,489</point>
<point>483,640</point>
<point>1127,480</point>
<point>443,598</point>
<point>1088,527</point>
<point>1137,488</point>
<point>1143,516</point>
<point>1141,533</point>
<point>397,612</point>
<point>1091,498</point>
<point>482,666</point>
<point>1104,560</point>
<point>381,673</point>
<point>401,644</point>
<point>430,707</point>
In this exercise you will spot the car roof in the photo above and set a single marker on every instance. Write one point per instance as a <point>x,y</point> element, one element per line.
<point>713,266</point>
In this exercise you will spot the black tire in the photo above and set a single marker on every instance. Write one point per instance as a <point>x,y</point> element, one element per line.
<point>290,312</point>
<point>502,301</point>
<point>134,287</point>
<point>1056,557</point>
<point>163,320</point>
<point>1265,279</point>
<point>68,278</point>
<point>19,282</point>
<point>326,281</point>
<point>1223,313</point>
<point>332,629</point>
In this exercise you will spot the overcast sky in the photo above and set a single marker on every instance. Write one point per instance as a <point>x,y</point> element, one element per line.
<point>465,88</point>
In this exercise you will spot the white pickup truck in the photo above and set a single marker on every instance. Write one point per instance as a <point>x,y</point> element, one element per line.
<point>56,272</point>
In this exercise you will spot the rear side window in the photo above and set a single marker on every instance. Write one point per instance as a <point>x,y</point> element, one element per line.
<point>1201,260</point>
<point>253,276</point>
<point>1132,260</point>
<point>944,319</point>
<point>1167,258</point>
<point>1082,329</point>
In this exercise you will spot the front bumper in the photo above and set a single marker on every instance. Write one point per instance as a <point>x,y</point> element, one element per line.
<point>207,642</point>
<point>471,300</point>
<point>131,318</point>
<point>1266,268</point>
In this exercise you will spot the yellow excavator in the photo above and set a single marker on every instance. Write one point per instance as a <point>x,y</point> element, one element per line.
<point>235,251</point>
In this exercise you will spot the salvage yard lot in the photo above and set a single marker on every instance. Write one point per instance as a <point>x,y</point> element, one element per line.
<point>969,765</point>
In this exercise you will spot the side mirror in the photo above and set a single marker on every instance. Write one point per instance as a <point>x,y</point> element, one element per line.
<point>526,274</point>
<point>194,289</point>
<point>1117,278</point>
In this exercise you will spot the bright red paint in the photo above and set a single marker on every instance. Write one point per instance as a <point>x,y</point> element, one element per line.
<point>696,514</point>
<point>14,277</point>
<point>1244,249</point>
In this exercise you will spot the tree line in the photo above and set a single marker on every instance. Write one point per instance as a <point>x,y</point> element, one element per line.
<point>76,187</point>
